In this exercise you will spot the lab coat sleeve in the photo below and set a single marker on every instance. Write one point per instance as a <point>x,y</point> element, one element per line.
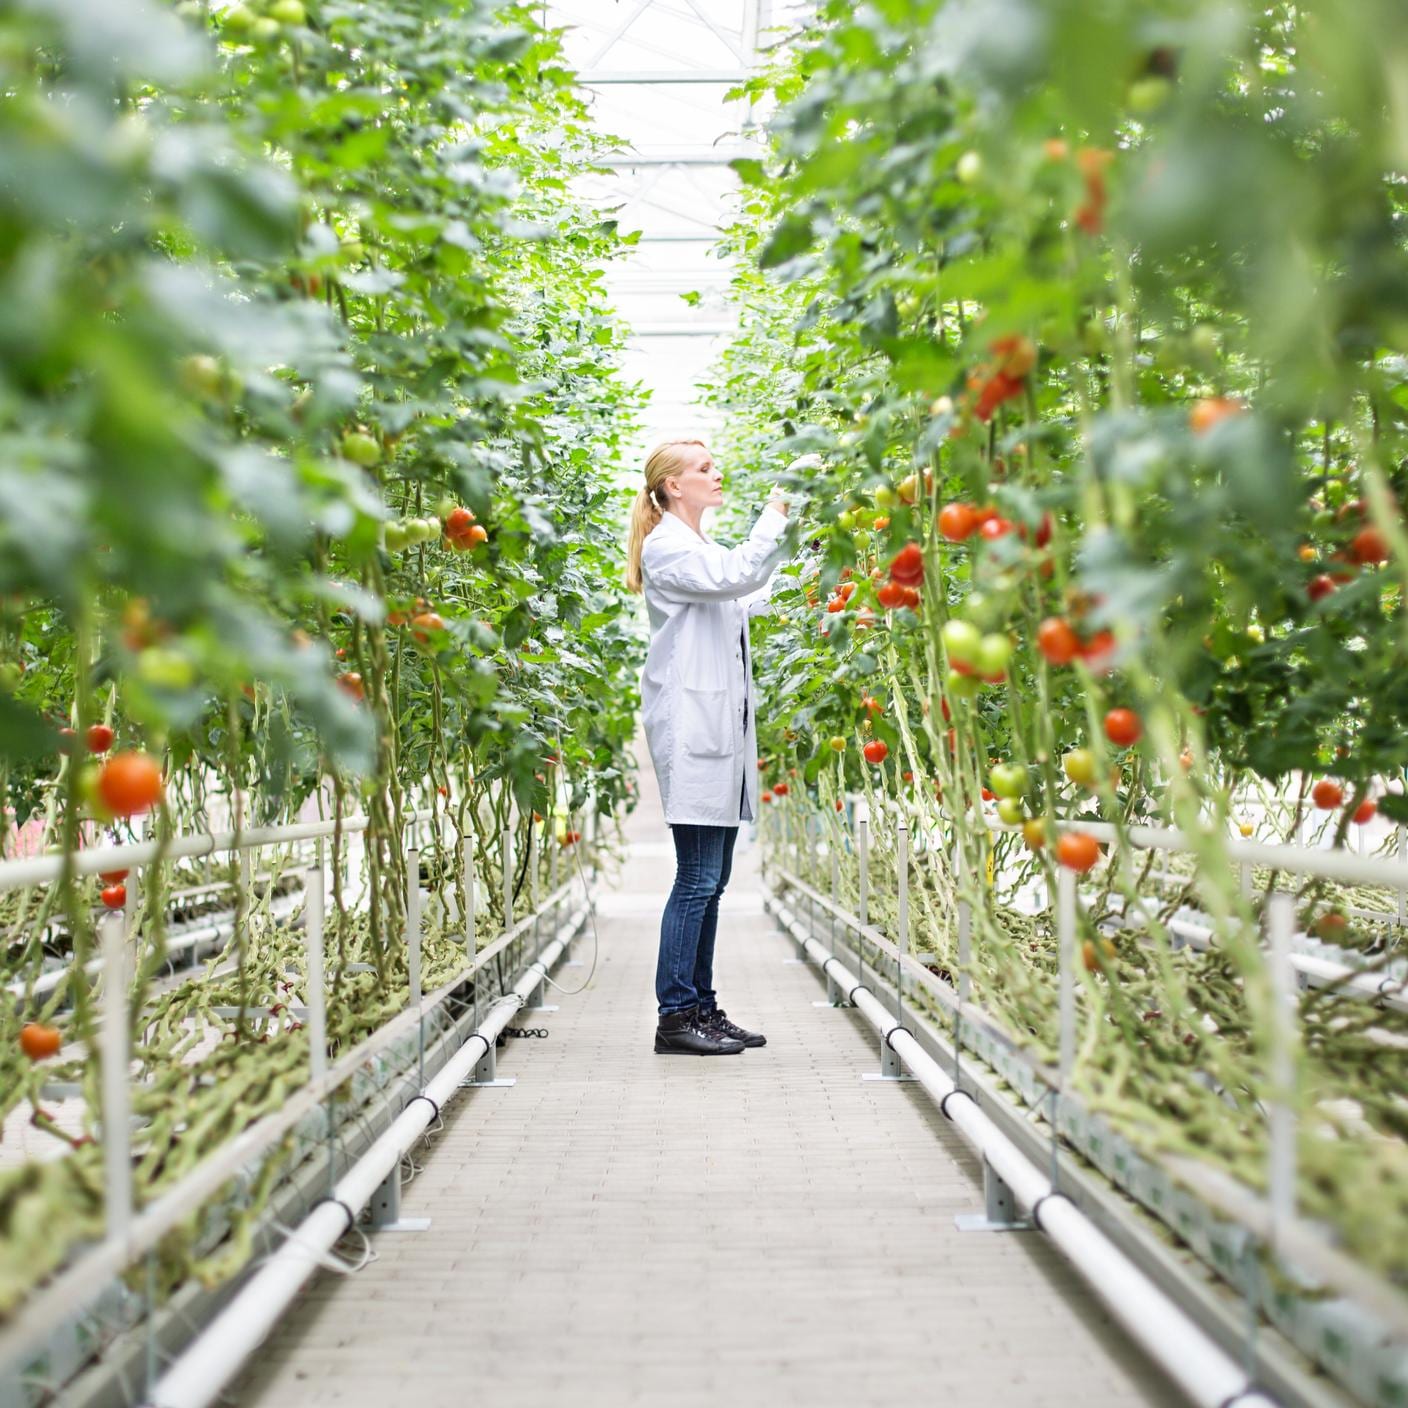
<point>708,572</point>
<point>760,603</point>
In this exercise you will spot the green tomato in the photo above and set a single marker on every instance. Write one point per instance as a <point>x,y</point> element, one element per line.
<point>1148,94</point>
<point>846,520</point>
<point>961,686</point>
<point>885,497</point>
<point>838,744</point>
<point>290,12</point>
<point>162,668</point>
<point>962,641</point>
<point>860,537</point>
<point>1204,343</point>
<point>994,655</point>
<point>201,375</point>
<point>969,168</point>
<point>396,537</point>
<point>264,30</point>
<point>89,796</point>
<point>1009,810</point>
<point>1080,766</point>
<point>238,19</point>
<point>352,250</point>
<point>1008,780</point>
<point>445,506</point>
<point>360,448</point>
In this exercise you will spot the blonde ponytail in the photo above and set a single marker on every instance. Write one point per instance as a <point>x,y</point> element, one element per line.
<point>663,461</point>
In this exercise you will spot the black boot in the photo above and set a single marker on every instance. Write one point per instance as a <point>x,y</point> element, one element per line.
<point>717,1021</point>
<point>682,1034</point>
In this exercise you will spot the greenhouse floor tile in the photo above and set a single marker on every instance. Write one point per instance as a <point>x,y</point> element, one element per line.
<point>620,1228</point>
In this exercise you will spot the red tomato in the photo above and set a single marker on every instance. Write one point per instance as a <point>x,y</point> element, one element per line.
<point>767,796</point>
<point>840,805</point>
<point>1320,587</point>
<point>891,595</point>
<point>876,751</point>
<point>995,528</point>
<point>988,794</point>
<point>1122,727</point>
<point>907,566</point>
<point>1057,641</point>
<point>100,738</point>
<point>1016,354</point>
<point>114,896</point>
<point>1365,811</point>
<point>457,522</point>
<point>129,783</point>
<point>425,625</point>
<point>762,766</point>
<point>958,521</point>
<point>1096,652</point>
<point>111,877</point>
<point>998,388</point>
<point>779,789</point>
<point>351,685</point>
<point>1077,850</point>
<point>1327,794</point>
<point>1210,410</point>
<point>911,597</point>
<point>1368,546</point>
<point>39,1042</point>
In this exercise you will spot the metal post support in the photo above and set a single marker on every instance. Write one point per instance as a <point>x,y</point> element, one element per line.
<point>965,956</point>
<point>1066,956</point>
<point>833,993</point>
<point>1402,857</point>
<point>572,861</point>
<point>413,951</point>
<point>1281,923</point>
<point>533,828</point>
<point>114,1041</point>
<point>890,1067</point>
<point>506,854</point>
<point>470,941</point>
<point>902,937</point>
<point>316,996</point>
<point>385,1206</point>
<point>862,811</point>
<point>486,1072</point>
<point>999,1212</point>
<point>129,908</point>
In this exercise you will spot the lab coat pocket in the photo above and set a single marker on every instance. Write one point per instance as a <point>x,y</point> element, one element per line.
<point>704,723</point>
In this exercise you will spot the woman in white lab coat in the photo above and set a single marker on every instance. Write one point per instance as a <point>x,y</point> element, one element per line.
<point>698,708</point>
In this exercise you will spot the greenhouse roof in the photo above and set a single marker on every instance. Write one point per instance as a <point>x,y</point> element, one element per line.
<point>657,73</point>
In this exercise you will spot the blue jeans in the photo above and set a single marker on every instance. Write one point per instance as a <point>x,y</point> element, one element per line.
<point>684,976</point>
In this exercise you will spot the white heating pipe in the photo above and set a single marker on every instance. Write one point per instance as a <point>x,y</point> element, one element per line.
<point>215,1356</point>
<point>1210,1377</point>
<point>77,1284</point>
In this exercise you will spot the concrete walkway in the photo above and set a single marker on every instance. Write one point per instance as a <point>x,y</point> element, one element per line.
<point>768,1229</point>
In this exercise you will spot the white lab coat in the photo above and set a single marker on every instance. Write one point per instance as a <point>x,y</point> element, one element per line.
<point>699,672</point>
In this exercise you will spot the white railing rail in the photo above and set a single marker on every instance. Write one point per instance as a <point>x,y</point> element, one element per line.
<point>1285,1230</point>
<point>128,1234</point>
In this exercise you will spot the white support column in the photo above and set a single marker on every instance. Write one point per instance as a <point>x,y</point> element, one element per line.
<point>115,1047</point>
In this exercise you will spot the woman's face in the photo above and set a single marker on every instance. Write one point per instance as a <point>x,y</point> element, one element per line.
<point>699,485</point>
